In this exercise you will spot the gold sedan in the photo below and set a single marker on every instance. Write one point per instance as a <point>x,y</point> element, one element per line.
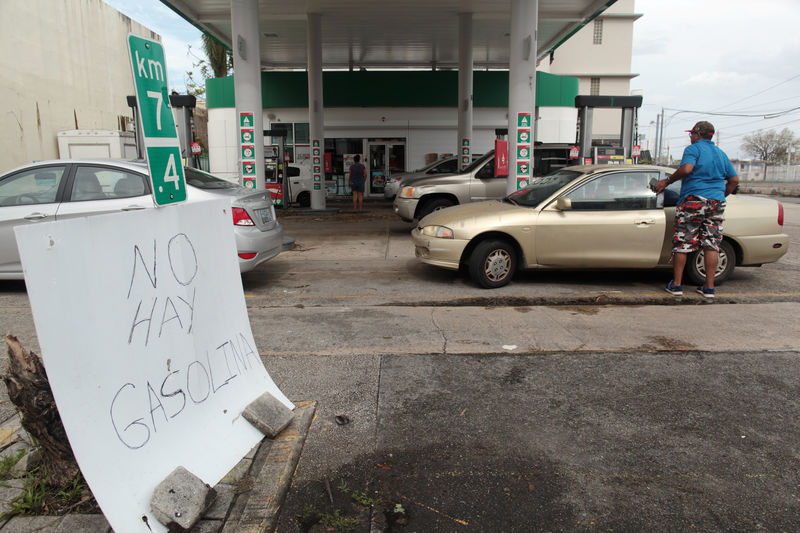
<point>592,217</point>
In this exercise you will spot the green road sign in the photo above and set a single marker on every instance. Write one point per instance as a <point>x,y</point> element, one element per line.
<point>169,186</point>
<point>158,126</point>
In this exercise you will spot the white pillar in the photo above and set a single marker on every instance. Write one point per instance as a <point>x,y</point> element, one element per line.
<point>464,141</point>
<point>247,85</point>
<point>316,109</point>
<point>521,91</point>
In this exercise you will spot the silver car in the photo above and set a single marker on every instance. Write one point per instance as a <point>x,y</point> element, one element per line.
<point>62,189</point>
<point>448,165</point>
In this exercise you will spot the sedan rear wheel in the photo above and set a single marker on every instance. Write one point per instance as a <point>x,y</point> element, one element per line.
<point>492,264</point>
<point>696,268</point>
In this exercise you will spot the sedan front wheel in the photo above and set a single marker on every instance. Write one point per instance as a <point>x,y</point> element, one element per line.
<point>492,264</point>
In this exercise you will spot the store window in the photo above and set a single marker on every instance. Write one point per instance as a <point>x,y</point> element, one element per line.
<point>342,151</point>
<point>598,31</point>
<point>296,140</point>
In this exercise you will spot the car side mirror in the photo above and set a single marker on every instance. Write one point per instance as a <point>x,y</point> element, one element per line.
<point>563,203</point>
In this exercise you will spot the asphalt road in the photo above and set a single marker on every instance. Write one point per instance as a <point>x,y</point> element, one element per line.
<point>565,401</point>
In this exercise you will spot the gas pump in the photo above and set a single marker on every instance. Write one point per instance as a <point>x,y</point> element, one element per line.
<point>500,152</point>
<point>182,105</point>
<point>586,106</point>
<point>275,163</point>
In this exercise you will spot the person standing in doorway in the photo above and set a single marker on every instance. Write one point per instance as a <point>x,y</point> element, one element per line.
<point>707,177</point>
<point>357,180</point>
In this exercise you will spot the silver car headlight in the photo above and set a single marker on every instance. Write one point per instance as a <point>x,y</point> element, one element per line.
<point>407,192</point>
<point>442,232</point>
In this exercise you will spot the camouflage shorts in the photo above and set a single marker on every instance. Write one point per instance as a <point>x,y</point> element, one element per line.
<point>698,224</point>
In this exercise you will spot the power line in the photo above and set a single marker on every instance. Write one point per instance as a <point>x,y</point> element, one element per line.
<point>760,92</point>
<point>729,136</point>
<point>745,115</point>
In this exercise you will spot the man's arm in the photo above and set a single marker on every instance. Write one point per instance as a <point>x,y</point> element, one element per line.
<point>731,184</point>
<point>682,171</point>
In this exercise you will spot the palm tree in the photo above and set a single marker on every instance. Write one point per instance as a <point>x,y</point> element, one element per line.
<point>220,59</point>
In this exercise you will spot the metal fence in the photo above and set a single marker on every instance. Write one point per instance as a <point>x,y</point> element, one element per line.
<point>778,173</point>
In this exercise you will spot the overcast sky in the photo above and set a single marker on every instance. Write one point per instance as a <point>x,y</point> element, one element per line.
<point>713,56</point>
<point>720,56</point>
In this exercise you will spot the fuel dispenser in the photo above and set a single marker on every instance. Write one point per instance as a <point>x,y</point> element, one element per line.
<point>607,154</point>
<point>182,106</point>
<point>275,166</point>
<point>500,152</point>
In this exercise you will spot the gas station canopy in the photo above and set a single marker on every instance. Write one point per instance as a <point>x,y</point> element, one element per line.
<point>390,33</point>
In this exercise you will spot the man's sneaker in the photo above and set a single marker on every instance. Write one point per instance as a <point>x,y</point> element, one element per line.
<point>675,290</point>
<point>705,291</point>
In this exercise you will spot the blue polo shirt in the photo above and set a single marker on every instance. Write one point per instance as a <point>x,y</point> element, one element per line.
<point>711,169</point>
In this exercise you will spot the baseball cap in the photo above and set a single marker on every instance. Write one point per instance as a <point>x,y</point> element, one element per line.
<point>702,128</point>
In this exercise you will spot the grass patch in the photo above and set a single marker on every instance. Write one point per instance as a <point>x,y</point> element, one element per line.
<point>339,523</point>
<point>8,463</point>
<point>38,498</point>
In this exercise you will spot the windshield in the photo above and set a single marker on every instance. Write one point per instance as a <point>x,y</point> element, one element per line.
<point>540,189</point>
<point>203,180</point>
<point>428,167</point>
<point>478,162</point>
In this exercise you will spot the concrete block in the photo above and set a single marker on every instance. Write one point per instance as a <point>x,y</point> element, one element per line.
<point>181,499</point>
<point>31,458</point>
<point>84,523</point>
<point>208,526</point>
<point>27,524</point>
<point>268,415</point>
<point>8,493</point>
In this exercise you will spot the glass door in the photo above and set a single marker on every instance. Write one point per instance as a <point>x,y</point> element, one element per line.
<point>384,159</point>
<point>377,169</point>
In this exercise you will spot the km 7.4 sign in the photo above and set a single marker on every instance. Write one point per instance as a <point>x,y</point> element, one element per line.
<point>158,126</point>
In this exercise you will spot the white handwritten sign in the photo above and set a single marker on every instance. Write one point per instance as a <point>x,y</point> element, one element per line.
<point>148,348</point>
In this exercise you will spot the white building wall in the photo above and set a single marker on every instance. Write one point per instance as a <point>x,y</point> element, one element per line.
<point>609,61</point>
<point>65,66</point>
<point>426,130</point>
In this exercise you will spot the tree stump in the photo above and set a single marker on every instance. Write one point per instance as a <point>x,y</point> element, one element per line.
<point>29,389</point>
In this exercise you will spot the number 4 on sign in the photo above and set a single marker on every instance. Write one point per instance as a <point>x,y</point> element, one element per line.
<point>171,173</point>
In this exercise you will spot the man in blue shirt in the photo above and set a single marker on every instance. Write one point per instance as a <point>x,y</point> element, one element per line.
<point>707,178</point>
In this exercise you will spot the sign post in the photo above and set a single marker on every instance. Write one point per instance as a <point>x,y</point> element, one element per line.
<point>160,136</point>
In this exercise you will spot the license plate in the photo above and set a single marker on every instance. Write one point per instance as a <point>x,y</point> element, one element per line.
<point>266,218</point>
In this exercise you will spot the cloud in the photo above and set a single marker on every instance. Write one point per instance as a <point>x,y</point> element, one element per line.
<point>719,79</point>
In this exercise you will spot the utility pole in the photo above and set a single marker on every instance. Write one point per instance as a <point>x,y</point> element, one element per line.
<point>657,142</point>
<point>661,135</point>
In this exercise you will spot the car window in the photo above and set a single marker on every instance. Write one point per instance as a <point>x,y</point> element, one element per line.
<point>100,183</point>
<point>447,167</point>
<point>203,180</point>
<point>29,187</point>
<point>672,194</point>
<point>616,191</point>
<point>487,171</point>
